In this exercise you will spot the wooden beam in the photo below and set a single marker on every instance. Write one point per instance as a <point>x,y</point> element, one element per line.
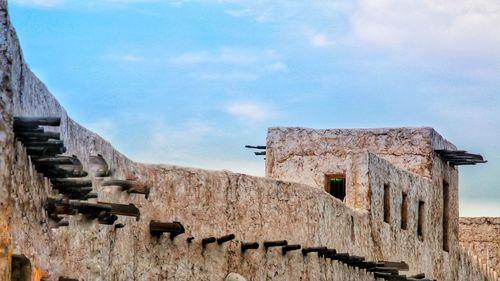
<point>31,122</point>
<point>158,228</point>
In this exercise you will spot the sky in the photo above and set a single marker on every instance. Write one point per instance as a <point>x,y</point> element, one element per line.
<point>191,82</point>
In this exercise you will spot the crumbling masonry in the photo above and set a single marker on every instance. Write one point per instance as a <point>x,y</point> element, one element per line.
<point>370,204</point>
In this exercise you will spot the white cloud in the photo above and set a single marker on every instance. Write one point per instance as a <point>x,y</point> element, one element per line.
<point>247,110</point>
<point>320,40</point>
<point>460,27</point>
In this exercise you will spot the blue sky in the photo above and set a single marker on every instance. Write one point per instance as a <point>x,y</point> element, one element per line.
<point>191,82</point>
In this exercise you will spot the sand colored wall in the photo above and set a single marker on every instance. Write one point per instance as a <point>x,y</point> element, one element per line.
<point>208,203</point>
<point>481,236</point>
<point>5,147</point>
<point>304,155</point>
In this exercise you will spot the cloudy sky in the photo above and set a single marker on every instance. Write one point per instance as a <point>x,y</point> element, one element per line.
<point>192,82</point>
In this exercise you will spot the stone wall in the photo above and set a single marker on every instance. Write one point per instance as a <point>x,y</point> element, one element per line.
<point>6,139</point>
<point>307,155</point>
<point>481,237</point>
<point>208,203</point>
<point>304,155</point>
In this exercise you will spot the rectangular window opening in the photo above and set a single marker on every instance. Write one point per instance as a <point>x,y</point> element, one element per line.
<point>404,211</point>
<point>420,220</point>
<point>353,237</point>
<point>387,204</point>
<point>446,212</point>
<point>20,268</point>
<point>336,186</point>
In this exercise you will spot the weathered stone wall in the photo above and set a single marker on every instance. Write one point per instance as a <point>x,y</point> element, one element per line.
<point>5,147</point>
<point>305,155</point>
<point>208,203</point>
<point>481,236</point>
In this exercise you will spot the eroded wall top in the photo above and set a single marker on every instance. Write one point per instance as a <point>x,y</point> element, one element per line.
<point>293,153</point>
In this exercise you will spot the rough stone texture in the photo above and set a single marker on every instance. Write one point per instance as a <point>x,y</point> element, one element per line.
<point>481,236</point>
<point>215,203</point>
<point>5,146</point>
<point>311,152</point>
<point>307,155</point>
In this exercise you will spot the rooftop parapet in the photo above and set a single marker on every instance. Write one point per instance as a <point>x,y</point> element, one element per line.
<point>411,149</point>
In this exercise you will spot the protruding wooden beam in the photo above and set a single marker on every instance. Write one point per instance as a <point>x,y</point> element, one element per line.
<point>61,171</point>
<point>190,239</point>
<point>256,146</point>
<point>60,166</point>
<point>32,122</point>
<point>107,219</point>
<point>327,252</point>
<point>69,207</point>
<point>123,209</point>
<point>70,182</point>
<point>393,270</point>
<point>158,228</point>
<point>288,248</point>
<point>79,196</point>
<point>28,130</point>
<point>67,279</point>
<point>366,264</point>
<point>418,276</point>
<point>401,265</point>
<point>249,246</point>
<point>47,143</point>
<point>27,136</point>
<point>337,256</point>
<point>308,250</point>
<point>90,195</point>
<point>280,243</point>
<point>119,225</point>
<point>57,160</point>
<point>75,190</point>
<point>209,240</point>
<point>45,151</point>
<point>57,207</point>
<point>224,239</point>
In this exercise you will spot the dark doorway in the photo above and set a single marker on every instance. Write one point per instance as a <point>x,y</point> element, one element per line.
<point>21,268</point>
<point>336,186</point>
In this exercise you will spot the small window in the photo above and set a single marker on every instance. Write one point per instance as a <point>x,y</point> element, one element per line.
<point>21,268</point>
<point>421,220</point>
<point>336,186</point>
<point>404,211</point>
<point>446,199</point>
<point>353,237</point>
<point>387,204</point>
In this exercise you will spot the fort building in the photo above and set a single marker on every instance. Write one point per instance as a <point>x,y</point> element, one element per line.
<point>335,204</point>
